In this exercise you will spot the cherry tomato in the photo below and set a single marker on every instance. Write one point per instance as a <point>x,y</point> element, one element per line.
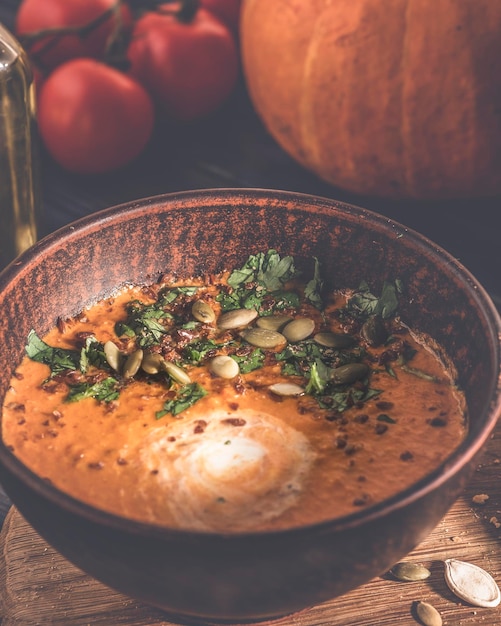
<point>37,15</point>
<point>92,117</point>
<point>190,68</point>
<point>228,11</point>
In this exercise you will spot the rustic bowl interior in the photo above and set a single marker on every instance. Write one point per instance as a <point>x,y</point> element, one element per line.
<point>264,574</point>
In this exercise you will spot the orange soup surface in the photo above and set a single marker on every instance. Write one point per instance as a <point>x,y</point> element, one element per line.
<point>318,407</point>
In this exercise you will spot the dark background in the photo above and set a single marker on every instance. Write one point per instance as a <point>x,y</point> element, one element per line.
<point>233,149</point>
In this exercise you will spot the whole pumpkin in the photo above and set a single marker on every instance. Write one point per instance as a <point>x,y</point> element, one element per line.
<point>394,98</point>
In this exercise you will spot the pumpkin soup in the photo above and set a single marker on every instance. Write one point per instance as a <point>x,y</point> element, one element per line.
<point>246,401</point>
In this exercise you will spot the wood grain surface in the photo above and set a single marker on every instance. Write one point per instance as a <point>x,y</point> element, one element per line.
<point>38,586</point>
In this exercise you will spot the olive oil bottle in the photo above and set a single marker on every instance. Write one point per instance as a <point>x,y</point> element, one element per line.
<point>19,185</point>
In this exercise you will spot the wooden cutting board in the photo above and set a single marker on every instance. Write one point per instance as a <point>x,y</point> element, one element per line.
<point>38,586</point>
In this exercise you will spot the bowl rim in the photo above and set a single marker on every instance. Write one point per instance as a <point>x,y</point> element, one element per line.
<point>162,203</point>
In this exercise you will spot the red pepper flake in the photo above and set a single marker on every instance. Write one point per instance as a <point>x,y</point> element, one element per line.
<point>95,465</point>
<point>384,405</point>
<point>437,422</point>
<point>380,428</point>
<point>234,421</point>
<point>16,406</point>
<point>340,443</point>
<point>121,461</point>
<point>233,406</point>
<point>62,325</point>
<point>171,439</point>
<point>361,419</point>
<point>406,456</point>
<point>200,427</point>
<point>351,449</point>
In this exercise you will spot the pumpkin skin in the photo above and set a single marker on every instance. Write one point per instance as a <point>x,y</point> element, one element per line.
<point>400,98</point>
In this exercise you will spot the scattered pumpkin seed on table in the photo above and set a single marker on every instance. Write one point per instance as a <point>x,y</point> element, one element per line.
<point>428,614</point>
<point>409,572</point>
<point>471,583</point>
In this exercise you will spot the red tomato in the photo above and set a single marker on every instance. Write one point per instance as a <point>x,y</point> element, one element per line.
<point>189,68</point>
<point>228,11</point>
<point>37,15</point>
<point>93,118</point>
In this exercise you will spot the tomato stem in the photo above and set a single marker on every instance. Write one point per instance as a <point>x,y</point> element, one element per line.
<point>82,31</point>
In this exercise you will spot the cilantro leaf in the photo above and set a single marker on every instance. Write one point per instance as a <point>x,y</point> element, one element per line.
<point>148,322</point>
<point>104,390</point>
<point>58,359</point>
<point>250,362</point>
<point>365,304</point>
<point>186,397</point>
<point>313,288</point>
<point>92,355</point>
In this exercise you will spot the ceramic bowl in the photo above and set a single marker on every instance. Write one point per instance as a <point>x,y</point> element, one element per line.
<point>249,576</point>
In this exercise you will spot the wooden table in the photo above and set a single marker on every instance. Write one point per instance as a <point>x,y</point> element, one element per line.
<point>232,149</point>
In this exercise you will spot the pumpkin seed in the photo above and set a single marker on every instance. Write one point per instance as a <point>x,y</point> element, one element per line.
<point>224,367</point>
<point>471,583</point>
<point>132,363</point>
<point>263,338</point>
<point>152,363</point>
<point>236,318</point>
<point>298,329</point>
<point>113,355</point>
<point>286,389</point>
<point>176,373</point>
<point>273,322</point>
<point>428,614</point>
<point>203,312</point>
<point>409,572</point>
<point>334,340</point>
<point>349,373</point>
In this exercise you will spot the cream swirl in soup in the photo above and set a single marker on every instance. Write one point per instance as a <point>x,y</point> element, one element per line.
<point>227,470</point>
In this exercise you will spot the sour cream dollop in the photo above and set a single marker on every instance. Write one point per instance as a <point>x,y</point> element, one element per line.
<point>228,471</point>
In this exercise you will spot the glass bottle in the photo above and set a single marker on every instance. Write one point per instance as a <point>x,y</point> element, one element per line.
<point>19,193</point>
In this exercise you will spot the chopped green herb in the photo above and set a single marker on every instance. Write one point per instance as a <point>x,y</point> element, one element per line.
<point>92,355</point>
<point>365,304</point>
<point>250,362</point>
<point>147,322</point>
<point>105,390</point>
<point>267,269</point>
<point>313,288</point>
<point>58,359</point>
<point>186,397</point>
